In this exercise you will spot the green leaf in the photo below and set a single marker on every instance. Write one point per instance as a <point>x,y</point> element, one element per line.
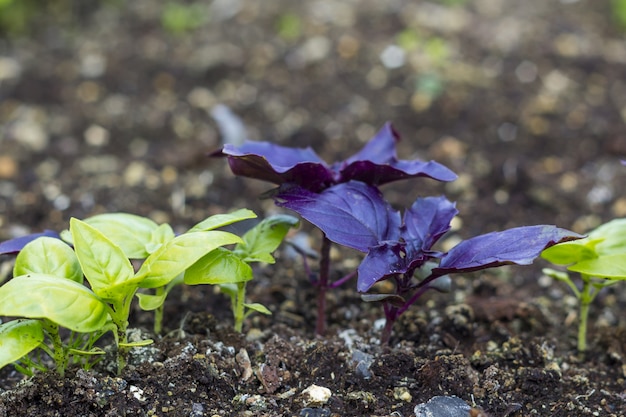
<point>159,237</point>
<point>230,290</point>
<point>50,256</point>
<point>175,256</point>
<point>609,266</point>
<point>263,239</point>
<point>105,265</point>
<point>149,302</point>
<point>221,220</point>
<point>140,343</point>
<point>558,275</point>
<point>601,254</point>
<point>220,266</point>
<point>612,235</point>
<point>567,253</point>
<point>259,308</point>
<point>128,231</point>
<point>93,352</point>
<point>18,338</point>
<point>62,301</point>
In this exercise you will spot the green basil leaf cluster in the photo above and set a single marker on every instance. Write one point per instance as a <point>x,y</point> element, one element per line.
<point>231,270</point>
<point>601,254</point>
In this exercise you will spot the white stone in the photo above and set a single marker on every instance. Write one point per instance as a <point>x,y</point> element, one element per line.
<point>316,395</point>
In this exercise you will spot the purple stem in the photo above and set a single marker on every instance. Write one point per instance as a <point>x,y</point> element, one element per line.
<point>413,299</point>
<point>391,315</point>
<point>343,280</point>
<point>392,312</point>
<point>322,286</point>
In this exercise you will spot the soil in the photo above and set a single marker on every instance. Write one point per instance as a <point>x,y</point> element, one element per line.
<point>107,107</point>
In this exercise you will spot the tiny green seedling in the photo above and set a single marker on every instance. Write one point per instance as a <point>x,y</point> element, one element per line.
<point>599,259</point>
<point>230,270</point>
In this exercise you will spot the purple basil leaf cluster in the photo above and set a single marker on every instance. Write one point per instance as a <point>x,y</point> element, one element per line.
<point>356,215</point>
<point>375,164</point>
<point>343,201</point>
<point>15,245</point>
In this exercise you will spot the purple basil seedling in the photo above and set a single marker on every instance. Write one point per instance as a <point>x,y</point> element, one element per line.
<point>375,164</point>
<point>400,248</point>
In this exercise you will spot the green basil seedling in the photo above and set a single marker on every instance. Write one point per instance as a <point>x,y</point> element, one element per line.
<point>47,288</point>
<point>139,238</point>
<point>599,259</point>
<point>155,301</point>
<point>231,270</point>
<point>112,278</point>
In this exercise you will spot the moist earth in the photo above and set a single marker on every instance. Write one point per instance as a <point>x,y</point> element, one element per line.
<point>109,107</point>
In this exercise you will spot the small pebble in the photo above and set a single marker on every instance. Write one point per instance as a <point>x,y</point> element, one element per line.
<point>316,395</point>
<point>441,406</point>
<point>314,412</point>
<point>362,362</point>
<point>403,394</point>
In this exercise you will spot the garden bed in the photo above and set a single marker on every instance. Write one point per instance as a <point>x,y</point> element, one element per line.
<point>106,110</point>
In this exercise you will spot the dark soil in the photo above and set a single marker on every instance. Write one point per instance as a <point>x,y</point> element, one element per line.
<point>105,109</point>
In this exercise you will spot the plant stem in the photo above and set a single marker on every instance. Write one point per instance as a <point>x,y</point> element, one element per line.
<point>343,279</point>
<point>158,313</point>
<point>322,286</point>
<point>119,312</point>
<point>586,296</point>
<point>582,323</point>
<point>239,308</point>
<point>59,351</point>
<point>391,314</point>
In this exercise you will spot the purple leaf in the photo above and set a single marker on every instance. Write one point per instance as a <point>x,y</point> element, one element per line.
<point>352,214</point>
<point>384,261</point>
<point>520,245</point>
<point>424,223</point>
<point>381,149</point>
<point>17,244</point>
<point>427,220</point>
<point>378,174</point>
<point>279,164</point>
<point>375,164</point>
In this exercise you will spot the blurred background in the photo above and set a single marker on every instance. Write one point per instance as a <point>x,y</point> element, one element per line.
<point>113,106</point>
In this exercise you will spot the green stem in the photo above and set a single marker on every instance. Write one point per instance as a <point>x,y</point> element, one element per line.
<point>119,312</point>
<point>587,295</point>
<point>585,300</point>
<point>239,308</point>
<point>158,313</point>
<point>59,353</point>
